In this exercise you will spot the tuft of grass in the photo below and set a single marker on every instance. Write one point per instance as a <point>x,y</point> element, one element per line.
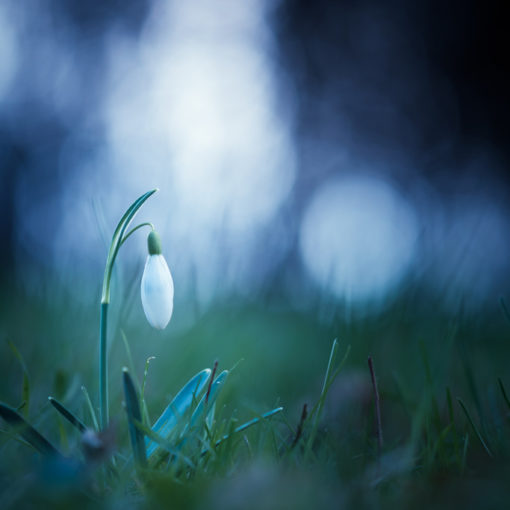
<point>475,428</point>
<point>27,432</point>
<point>207,445</point>
<point>25,389</point>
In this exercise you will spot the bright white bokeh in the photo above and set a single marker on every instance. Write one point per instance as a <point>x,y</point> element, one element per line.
<point>358,237</point>
<point>191,107</point>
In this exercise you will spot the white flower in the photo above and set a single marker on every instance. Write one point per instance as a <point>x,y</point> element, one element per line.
<point>157,286</point>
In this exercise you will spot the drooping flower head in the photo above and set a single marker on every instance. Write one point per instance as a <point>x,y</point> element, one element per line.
<point>157,285</point>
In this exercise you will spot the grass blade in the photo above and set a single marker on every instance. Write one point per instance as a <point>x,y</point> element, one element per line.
<point>248,424</point>
<point>25,391</point>
<point>164,444</point>
<point>142,392</point>
<point>505,396</point>
<point>464,453</point>
<point>90,407</point>
<point>128,351</point>
<point>477,432</point>
<point>134,416</point>
<point>506,312</point>
<point>68,415</point>
<point>328,381</point>
<point>456,438</point>
<point>27,432</point>
<point>377,403</point>
<point>205,406</point>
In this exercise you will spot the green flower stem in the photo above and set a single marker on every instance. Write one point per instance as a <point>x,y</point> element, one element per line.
<point>117,241</point>
<point>133,230</point>
<point>103,366</point>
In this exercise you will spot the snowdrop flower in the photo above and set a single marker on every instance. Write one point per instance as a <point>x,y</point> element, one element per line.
<point>157,285</point>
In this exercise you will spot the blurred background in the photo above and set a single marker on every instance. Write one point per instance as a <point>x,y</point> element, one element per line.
<point>319,164</point>
<point>342,146</point>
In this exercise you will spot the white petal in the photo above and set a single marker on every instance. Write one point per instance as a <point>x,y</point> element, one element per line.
<point>157,291</point>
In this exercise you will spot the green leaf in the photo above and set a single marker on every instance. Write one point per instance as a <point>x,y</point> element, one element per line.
<point>90,407</point>
<point>163,443</point>
<point>68,415</point>
<point>134,416</point>
<point>142,393</point>
<point>205,407</point>
<point>503,391</point>
<point>506,312</point>
<point>456,444</point>
<point>475,428</point>
<point>178,407</point>
<point>25,391</point>
<point>250,423</point>
<point>117,240</point>
<point>328,381</point>
<point>27,432</point>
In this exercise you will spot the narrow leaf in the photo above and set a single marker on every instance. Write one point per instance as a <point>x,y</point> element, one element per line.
<point>25,391</point>
<point>26,431</point>
<point>90,407</point>
<point>504,307</point>
<point>128,351</point>
<point>328,381</point>
<point>134,415</point>
<point>142,393</point>
<point>68,415</point>
<point>248,424</point>
<point>477,432</point>
<point>118,234</point>
<point>456,444</point>
<point>178,407</point>
<point>205,406</point>
<point>163,443</point>
<point>503,391</point>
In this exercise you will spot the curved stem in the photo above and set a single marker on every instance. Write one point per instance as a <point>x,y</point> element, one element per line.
<point>133,230</point>
<point>117,241</point>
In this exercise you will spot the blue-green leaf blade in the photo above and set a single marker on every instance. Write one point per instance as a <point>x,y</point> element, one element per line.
<point>27,432</point>
<point>25,391</point>
<point>205,406</point>
<point>177,408</point>
<point>247,425</point>
<point>68,415</point>
<point>134,416</point>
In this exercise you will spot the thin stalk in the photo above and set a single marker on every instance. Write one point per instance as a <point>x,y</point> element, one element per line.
<point>377,405</point>
<point>211,381</point>
<point>118,239</point>
<point>299,430</point>
<point>103,367</point>
<point>133,230</point>
<point>475,429</point>
<point>317,410</point>
<point>502,388</point>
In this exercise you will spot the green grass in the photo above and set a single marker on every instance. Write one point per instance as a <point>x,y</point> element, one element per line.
<point>443,380</point>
